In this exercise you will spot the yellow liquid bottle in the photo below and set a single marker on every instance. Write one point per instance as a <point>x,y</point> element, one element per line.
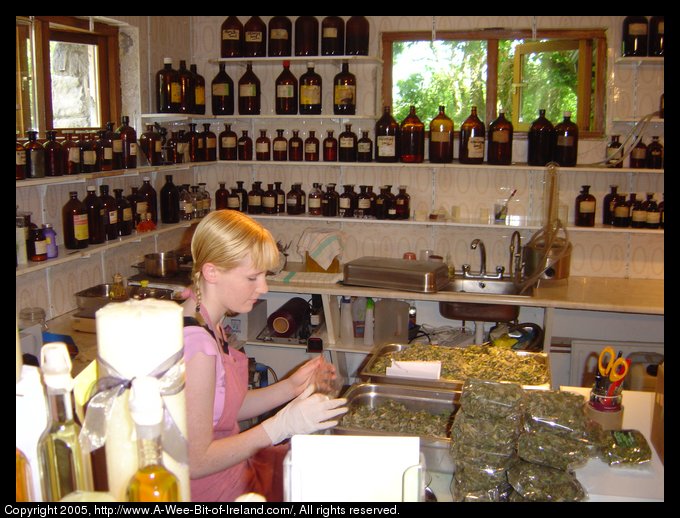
<point>152,482</point>
<point>24,490</point>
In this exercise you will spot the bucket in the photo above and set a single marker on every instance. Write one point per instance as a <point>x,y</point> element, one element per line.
<point>554,264</point>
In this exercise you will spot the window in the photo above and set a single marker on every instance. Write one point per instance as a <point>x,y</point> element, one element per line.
<point>67,73</point>
<point>559,70</point>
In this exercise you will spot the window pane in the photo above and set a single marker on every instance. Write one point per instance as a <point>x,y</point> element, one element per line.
<point>75,89</point>
<point>26,109</point>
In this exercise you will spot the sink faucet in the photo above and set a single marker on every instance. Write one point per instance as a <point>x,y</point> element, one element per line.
<point>516,256</point>
<point>482,255</point>
<point>478,243</point>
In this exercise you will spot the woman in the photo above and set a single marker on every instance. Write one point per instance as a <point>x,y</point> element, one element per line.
<point>231,255</point>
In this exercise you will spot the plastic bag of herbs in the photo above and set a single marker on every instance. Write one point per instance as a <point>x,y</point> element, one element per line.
<point>558,412</point>
<point>498,436</point>
<point>484,398</point>
<point>538,483</point>
<point>553,449</point>
<point>477,482</point>
<point>625,447</point>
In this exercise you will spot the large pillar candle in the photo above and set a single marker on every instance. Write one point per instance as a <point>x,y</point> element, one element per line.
<point>142,338</point>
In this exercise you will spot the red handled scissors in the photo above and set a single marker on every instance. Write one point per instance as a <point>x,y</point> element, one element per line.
<point>612,366</point>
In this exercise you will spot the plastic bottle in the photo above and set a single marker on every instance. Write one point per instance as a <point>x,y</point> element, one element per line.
<point>368,322</point>
<point>346,324</point>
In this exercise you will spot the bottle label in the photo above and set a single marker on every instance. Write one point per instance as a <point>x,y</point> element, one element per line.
<point>278,34</point>
<point>157,146</point>
<point>21,157</point>
<point>621,211</point>
<point>638,153</point>
<point>660,28</point>
<point>199,93</point>
<point>210,142</point>
<point>247,90</point>
<point>439,136</point>
<point>254,200</point>
<point>220,89</point>
<point>364,147</point>
<point>310,94</point>
<point>344,94</point>
<point>229,142</point>
<point>310,147</point>
<point>142,208</point>
<point>280,145</point>
<point>40,247</point>
<point>253,37</point>
<point>586,207</point>
<point>117,148</point>
<point>108,153</point>
<point>231,34</point>
<point>386,145</point>
<point>262,147</point>
<point>565,140</point>
<point>233,202</point>
<point>80,230</point>
<point>74,154</point>
<point>476,147</point>
<point>637,29</point>
<point>127,214</point>
<point>329,144</point>
<point>269,202</point>
<point>291,201</point>
<point>502,137</point>
<point>345,203</point>
<point>332,32</point>
<point>364,203</point>
<point>653,218</point>
<point>175,92</point>
<point>294,144</point>
<point>314,203</point>
<point>639,215</point>
<point>285,91</point>
<point>113,217</point>
<point>133,149</point>
<point>89,157</point>
<point>187,207</point>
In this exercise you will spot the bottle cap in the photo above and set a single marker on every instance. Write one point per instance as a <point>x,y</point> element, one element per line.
<point>567,114</point>
<point>310,64</point>
<point>146,406</point>
<point>55,364</point>
<point>286,63</point>
<point>167,61</point>
<point>369,303</point>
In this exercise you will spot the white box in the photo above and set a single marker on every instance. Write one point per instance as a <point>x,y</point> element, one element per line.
<point>246,326</point>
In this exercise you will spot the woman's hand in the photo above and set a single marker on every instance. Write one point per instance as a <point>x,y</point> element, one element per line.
<point>302,377</point>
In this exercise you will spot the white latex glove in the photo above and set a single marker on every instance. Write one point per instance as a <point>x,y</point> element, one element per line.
<point>307,413</point>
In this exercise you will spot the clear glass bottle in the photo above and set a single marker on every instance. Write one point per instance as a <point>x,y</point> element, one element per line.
<point>124,213</point>
<point>263,147</point>
<point>245,146</point>
<point>655,154</point>
<point>311,147</point>
<point>566,142</point>
<point>314,200</point>
<point>499,151</point>
<point>471,139</point>
<point>441,138</point>
<point>310,91</point>
<point>35,156</point>
<point>187,88</point>
<point>634,40</point>
<point>332,36</point>
<point>128,138</point>
<point>167,88</point>
<point>280,36</point>
<point>357,32</point>
<point>249,92</point>
<point>54,159</point>
<point>228,143</point>
<point>279,147</point>
<point>269,200</point>
<point>254,37</point>
<point>199,90</point>
<point>403,203</point>
<point>169,201</point>
<point>306,36</point>
<point>347,145</point>
<point>608,204</point>
<point>110,213</point>
<point>295,147</point>
<point>95,216</point>
<point>117,291</point>
<point>614,154</point>
<point>330,202</point>
<point>63,467</point>
<point>344,91</point>
<point>330,148</point>
<point>255,198</point>
<point>541,140</point>
<point>412,137</point>
<point>147,194</point>
<point>364,148</point>
<point>387,138</point>
<point>585,208</point>
<point>638,156</point>
<point>347,203</point>
<point>286,92</point>
<point>152,482</point>
<point>186,203</point>
<point>222,93</point>
<point>231,40</point>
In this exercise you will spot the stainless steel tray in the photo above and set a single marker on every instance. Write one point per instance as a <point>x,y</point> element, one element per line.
<point>434,448</point>
<point>396,274</point>
<point>91,299</point>
<point>369,371</point>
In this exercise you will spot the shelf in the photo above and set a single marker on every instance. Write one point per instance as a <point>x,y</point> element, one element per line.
<point>640,60</point>
<point>293,59</point>
<point>179,117</point>
<point>633,120</point>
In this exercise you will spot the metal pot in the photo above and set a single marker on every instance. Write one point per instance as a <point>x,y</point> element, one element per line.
<point>163,264</point>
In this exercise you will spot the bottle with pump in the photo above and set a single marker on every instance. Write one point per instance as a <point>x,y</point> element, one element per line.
<point>472,139</point>
<point>585,208</point>
<point>566,142</point>
<point>152,482</point>
<point>63,467</point>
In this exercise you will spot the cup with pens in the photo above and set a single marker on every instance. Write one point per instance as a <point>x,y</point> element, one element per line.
<point>605,403</point>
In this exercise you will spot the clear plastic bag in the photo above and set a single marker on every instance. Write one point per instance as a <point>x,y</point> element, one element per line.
<point>537,483</point>
<point>477,482</point>
<point>553,450</point>
<point>625,447</point>
<point>483,398</point>
<point>492,435</point>
<point>557,412</point>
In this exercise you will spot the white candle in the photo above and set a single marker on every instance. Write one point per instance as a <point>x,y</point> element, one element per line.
<point>135,337</point>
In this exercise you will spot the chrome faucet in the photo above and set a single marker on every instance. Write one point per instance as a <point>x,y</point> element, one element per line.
<point>516,256</point>
<point>478,243</point>
<point>482,255</point>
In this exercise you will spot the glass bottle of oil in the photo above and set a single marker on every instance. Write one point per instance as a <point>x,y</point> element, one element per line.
<point>152,482</point>
<point>24,490</point>
<point>63,467</point>
<point>585,208</point>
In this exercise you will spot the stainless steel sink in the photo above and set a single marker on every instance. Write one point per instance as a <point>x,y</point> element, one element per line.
<point>490,286</point>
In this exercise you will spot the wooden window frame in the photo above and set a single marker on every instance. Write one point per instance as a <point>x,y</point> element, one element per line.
<point>594,37</point>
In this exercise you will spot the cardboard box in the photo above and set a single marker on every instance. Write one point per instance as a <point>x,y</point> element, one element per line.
<point>657,415</point>
<point>247,326</point>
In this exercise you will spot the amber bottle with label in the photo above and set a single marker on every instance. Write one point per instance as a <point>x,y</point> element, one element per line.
<point>566,142</point>
<point>295,147</point>
<point>228,143</point>
<point>254,38</point>
<point>638,215</point>
<point>286,92</point>
<point>231,34</point>
<point>387,138</point>
<point>209,143</point>
<point>347,145</point>
<point>311,147</point>
<point>75,227</point>
<point>306,36</point>
<point>344,92</point>
<point>383,203</point>
<point>655,154</point>
<point>280,198</point>
<point>194,143</point>
<point>221,197</point>
<point>412,138</point>
<point>364,202</point>
<point>608,204</point>
<point>402,203</point>
<point>263,146</point>
<point>109,213</point>
<point>150,145</point>
<point>472,139</point>
<point>541,140</point>
<point>234,200</point>
<point>54,155</point>
<point>347,202</point>
<point>621,212</point>
<point>614,154</point>
<point>656,38</point>
<point>167,88</point>
<point>441,138</point>
<point>20,161</point>
<point>585,207</point>
<point>124,213</point>
<point>653,212</point>
<point>222,93</point>
<point>71,153</point>
<point>310,92</point>
<point>243,195</point>
<point>186,88</point>
<point>330,148</point>
<point>255,198</point>
<point>332,36</point>
<point>634,40</point>
<point>245,146</point>
<point>147,195</point>
<point>104,151</point>
<point>35,156</point>
<point>95,217</point>
<point>128,138</point>
<point>269,200</point>
<point>357,31</point>
<point>116,145</point>
<point>638,156</point>
<point>280,37</point>
<point>500,141</point>
<point>279,147</point>
<point>330,201</point>
<point>88,154</point>
<point>364,148</point>
<point>249,92</point>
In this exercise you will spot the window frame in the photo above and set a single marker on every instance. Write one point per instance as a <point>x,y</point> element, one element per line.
<point>588,39</point>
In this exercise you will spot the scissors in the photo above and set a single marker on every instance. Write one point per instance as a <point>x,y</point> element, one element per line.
<point>612,366</point>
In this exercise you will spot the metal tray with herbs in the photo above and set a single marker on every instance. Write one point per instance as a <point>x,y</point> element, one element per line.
<point>485,362</point>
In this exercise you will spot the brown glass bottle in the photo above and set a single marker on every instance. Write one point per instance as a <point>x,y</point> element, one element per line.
<point>128,138</point>
<point>233,200</point>
<point>541,140</point>
<point>412,137</point>
<point>441,138</point>
<point>314,200</point>
<point>630,203</point>
<point>330,202</point>
<point>177,145</point>
<point>254,38</point>
<point>306,36</point>
<point>209,143</point>
<point>499,151</point>
<point>124,213</point>
<point>614,154</point>
<point>332,36</point>
<point>621,212</point>
<point>95,217</point>
<point>194,143</point>
<point>255,198</point>
<point>75,227</point>
<point>280,198</point>
<point>228,143</point>
<point>347,145</point>
<point>638,156</point>
<point>402,203</point>
<point>231,38</point>
<point>364,203</point>
<point>310,92</point>
<point>293,202</point>
<point>585,208</point>
<point>20,161</point>
<point>243,195</point>
<point>653,213</point>
<point>344,91</point>
<point>263,146</point>
<point>150,145</point>
<point>566,142</point>
<point>169,201</point>
<point>88,154</point>
<point>116,145</point>
<point>634,40</point>
<point>357,36</point>
<point>54,155</point>
<point>147,194</point>
<point>167,88</point>
<point>387,138</point>
<point>330,148</point>
<point>222,197</point>
<point>608,203</point>
<point>347,202</point>
<point>104,151</point>
<point>364,148</point>
<point>303,196</point>
<point>109,213</point>
<point>186,88</point>
<point>654,154</point>
<point>222,93</point>
<point>269,200</point>
<point>280,36</point>
<point>638,216</point>
<point>71,154</point>
<point>311,147</point>
<point>199,90</point>
<point>133,198</point>
<point>249,93</point>
<point>279,147</point>
<point>286,94</point>
<point>35,156</point>
<point>656,39</point>
<point>245,146</point>
<point>383,203</point>
<point>296,147</point>
<point>471,140</point>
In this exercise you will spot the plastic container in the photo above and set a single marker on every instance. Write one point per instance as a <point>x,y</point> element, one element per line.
<point>368,321</point>
<point>346,321</point>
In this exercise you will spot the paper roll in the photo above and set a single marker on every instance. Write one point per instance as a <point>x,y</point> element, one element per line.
<point>135,337</point>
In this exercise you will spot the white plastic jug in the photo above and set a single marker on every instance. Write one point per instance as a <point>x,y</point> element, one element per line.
<point>391,322</point>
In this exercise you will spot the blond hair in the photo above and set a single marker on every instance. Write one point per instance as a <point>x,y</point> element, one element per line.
<point>226,237</point>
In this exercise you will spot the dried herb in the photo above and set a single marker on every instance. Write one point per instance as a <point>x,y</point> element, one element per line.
<point>557,412</point>
<point>491,435</point>
<point>552,449</point>
<point>538,483</point>
<point>626,447</point>
<point>482,398</point>
<point>472,482</point>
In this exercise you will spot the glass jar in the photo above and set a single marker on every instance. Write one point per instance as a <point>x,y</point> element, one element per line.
<point>31,316</point>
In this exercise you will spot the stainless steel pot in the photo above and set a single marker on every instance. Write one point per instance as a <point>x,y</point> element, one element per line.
<point>163,264</point>
<point>553,265</point>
